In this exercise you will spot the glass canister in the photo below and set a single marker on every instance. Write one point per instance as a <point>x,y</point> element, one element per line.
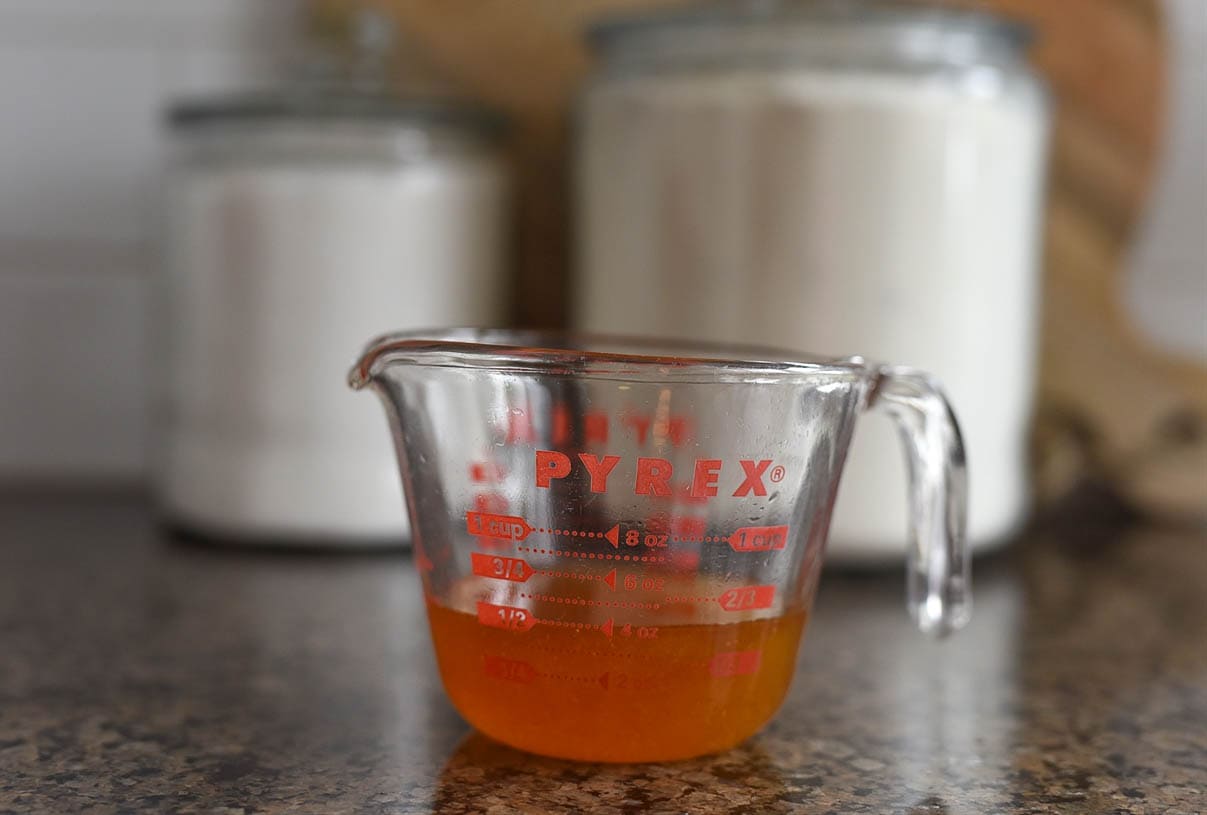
<point>853,175</point>
<point>298,221</point>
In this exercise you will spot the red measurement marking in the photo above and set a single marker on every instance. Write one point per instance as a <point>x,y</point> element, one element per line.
<point>497,526</point>
<point>687,526</point>
<point>677,598</point>
<point>609,654</point>
<point>556,677</point>
<point>593,555</point>
<point>734,663</point>
<point>584,601</point>
<point>609,578</point>
<point>747,597</point>
<point>503,568</point>
<point>603,628</point>
<point>485,472</point>
<point>422,561</point>
<point>506,617</point>
<point>759,538</point>
<point>509,670</point>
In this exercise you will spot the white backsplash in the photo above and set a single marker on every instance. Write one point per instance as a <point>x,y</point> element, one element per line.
<point>83,84</point>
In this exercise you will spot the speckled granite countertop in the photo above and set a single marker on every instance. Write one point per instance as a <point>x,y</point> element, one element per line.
<point>140,675</point>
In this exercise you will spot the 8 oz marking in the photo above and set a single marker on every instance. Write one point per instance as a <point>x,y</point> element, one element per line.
<point>652,540</point>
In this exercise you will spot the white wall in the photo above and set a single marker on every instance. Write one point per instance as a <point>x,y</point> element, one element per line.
<point>82,87</point>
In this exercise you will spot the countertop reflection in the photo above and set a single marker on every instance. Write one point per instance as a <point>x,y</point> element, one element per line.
<point>140,674</point>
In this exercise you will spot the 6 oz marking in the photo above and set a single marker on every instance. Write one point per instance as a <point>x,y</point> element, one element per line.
<point>634,582</point>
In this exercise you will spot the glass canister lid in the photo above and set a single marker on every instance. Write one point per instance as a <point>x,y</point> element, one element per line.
<point>963,31</point>
<point>354,69</point>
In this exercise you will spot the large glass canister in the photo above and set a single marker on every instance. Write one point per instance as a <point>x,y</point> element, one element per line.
<point>299,221</point>
<point>858,176</point>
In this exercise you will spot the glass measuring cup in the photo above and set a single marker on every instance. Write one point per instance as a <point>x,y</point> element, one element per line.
<point>619,541</point>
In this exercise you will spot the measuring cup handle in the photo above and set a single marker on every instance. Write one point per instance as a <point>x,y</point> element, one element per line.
<point>938,578</point>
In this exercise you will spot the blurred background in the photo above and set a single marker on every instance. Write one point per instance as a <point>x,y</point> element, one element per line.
<point>115,212</point>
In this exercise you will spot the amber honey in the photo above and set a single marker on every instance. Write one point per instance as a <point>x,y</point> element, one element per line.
<point>622,692</point>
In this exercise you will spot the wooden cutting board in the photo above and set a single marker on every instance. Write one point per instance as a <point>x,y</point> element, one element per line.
<point>1110,406</point>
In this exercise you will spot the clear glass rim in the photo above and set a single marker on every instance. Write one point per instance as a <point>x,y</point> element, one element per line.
<point>594,355</point>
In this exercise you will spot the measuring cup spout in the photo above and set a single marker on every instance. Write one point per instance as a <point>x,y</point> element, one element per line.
<point>364,370</point>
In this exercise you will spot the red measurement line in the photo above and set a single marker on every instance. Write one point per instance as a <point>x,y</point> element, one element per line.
<point>701,539</point>
<point>567,677</point>
<point>568,624</point>
<point>575,575</point>
<point>582,601</point>
<point>574,652</point>
<point>573,533</point>
<point>675,599</point>
<point>593,555</point>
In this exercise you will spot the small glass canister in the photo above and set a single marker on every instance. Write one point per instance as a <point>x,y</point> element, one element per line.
<point>298,222</point>
<point>830,175</point>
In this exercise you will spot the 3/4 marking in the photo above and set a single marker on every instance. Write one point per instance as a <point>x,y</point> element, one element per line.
<point>503,568</point>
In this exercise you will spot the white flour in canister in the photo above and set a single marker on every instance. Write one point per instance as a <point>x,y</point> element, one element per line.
<point>832,207</point>
<point>280,271</point>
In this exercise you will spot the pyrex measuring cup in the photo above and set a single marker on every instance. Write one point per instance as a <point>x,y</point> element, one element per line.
<point>619,541</point>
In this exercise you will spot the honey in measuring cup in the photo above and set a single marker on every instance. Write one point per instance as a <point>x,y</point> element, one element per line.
<point>584,686</point>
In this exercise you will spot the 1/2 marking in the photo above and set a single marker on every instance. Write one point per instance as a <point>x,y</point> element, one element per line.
<point>514,618</point>
<point>509,618</point>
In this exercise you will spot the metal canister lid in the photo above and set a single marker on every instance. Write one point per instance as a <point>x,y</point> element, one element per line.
<point>883,14</point>
<point>354,71</point>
